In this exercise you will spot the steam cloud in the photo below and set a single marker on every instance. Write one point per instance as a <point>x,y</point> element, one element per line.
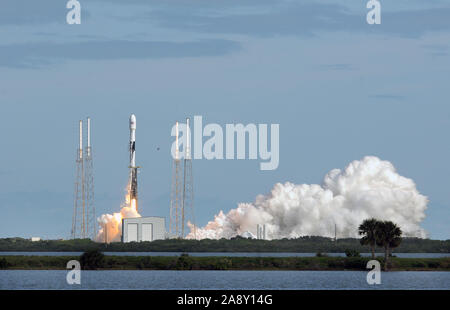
<point>111,224</point>
<point>364,189</point>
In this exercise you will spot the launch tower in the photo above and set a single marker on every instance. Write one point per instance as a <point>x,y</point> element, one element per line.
<point>83,218</point>
<point>182,192</point>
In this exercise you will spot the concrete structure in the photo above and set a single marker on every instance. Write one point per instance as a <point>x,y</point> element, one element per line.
<point>143,229</point>
<point>35,239</point>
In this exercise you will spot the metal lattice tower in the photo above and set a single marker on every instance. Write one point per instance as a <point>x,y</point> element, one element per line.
<point>176,192</point>
<point>89,186</point>
<point>78,227</point>
<point>187,205</point>
<point>83,220</point>
<point>182,194</point>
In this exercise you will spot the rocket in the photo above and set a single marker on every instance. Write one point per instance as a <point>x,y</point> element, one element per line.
<point>133,167</point>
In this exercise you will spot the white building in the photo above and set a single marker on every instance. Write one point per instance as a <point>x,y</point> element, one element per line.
<point>143,229</point>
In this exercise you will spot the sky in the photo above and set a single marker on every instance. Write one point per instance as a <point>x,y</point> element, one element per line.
<point>340,89</point>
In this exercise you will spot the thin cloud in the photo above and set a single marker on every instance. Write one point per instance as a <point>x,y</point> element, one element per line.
<point>387,97</point>
<point>297,18</point>
<point>35,55</point>
<point>25,12</point>
<point>336,67</point>
<point>437,49</point>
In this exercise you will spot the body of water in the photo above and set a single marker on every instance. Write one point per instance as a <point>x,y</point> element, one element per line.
<point>231,254</point>
<point>222,280</point>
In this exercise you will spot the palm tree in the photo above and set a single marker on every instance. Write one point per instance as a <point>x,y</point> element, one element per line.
<point>368,230</point>
<point>388,235</point>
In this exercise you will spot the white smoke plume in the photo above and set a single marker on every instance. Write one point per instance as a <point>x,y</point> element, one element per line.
<point>110,229</point>
<point>364,189</point>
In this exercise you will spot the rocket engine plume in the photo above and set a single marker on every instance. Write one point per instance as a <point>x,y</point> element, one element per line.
<point>110,229</point>
<point>111,224</point>
<point>368,188</point>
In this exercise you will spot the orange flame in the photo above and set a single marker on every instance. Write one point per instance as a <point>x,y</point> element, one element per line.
<point>111,224</point>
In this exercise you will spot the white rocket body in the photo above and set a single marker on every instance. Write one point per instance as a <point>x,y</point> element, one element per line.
<point>133,167</point>
<point>132,141</point>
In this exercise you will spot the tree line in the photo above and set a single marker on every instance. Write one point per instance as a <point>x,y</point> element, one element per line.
<point>307,244</point>
<point>92,260</point>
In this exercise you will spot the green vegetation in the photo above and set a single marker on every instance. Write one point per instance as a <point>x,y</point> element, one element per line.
<point>186,262</point>
<point>35,262</point>
<point>368,230</point>
<point>3,264</point>
<point>354,253</point>
<point>389,237</point>
<point>300,245</point>
<point>385,234</point>
<point>92,260</point>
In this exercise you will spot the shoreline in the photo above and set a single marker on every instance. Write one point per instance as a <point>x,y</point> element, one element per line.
<point>186,262</point>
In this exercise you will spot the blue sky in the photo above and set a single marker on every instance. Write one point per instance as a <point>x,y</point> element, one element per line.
<point>339,88</point>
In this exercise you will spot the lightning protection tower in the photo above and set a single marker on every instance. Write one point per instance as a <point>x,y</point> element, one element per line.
<point>83,220</point>
<point>89,186</point>
<point>182,192</point>
<point>187,206</point>
<point>176,191</point>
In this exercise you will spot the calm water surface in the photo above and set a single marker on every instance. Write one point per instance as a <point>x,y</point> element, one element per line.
<point>138,279</point>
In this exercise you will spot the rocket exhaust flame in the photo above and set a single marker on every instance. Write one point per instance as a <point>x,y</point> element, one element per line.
<point>111,224</point>
<point>110,229</point>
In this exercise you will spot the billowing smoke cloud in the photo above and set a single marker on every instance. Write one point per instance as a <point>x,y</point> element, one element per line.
<point>364,189</point>
<point>110,229</point>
